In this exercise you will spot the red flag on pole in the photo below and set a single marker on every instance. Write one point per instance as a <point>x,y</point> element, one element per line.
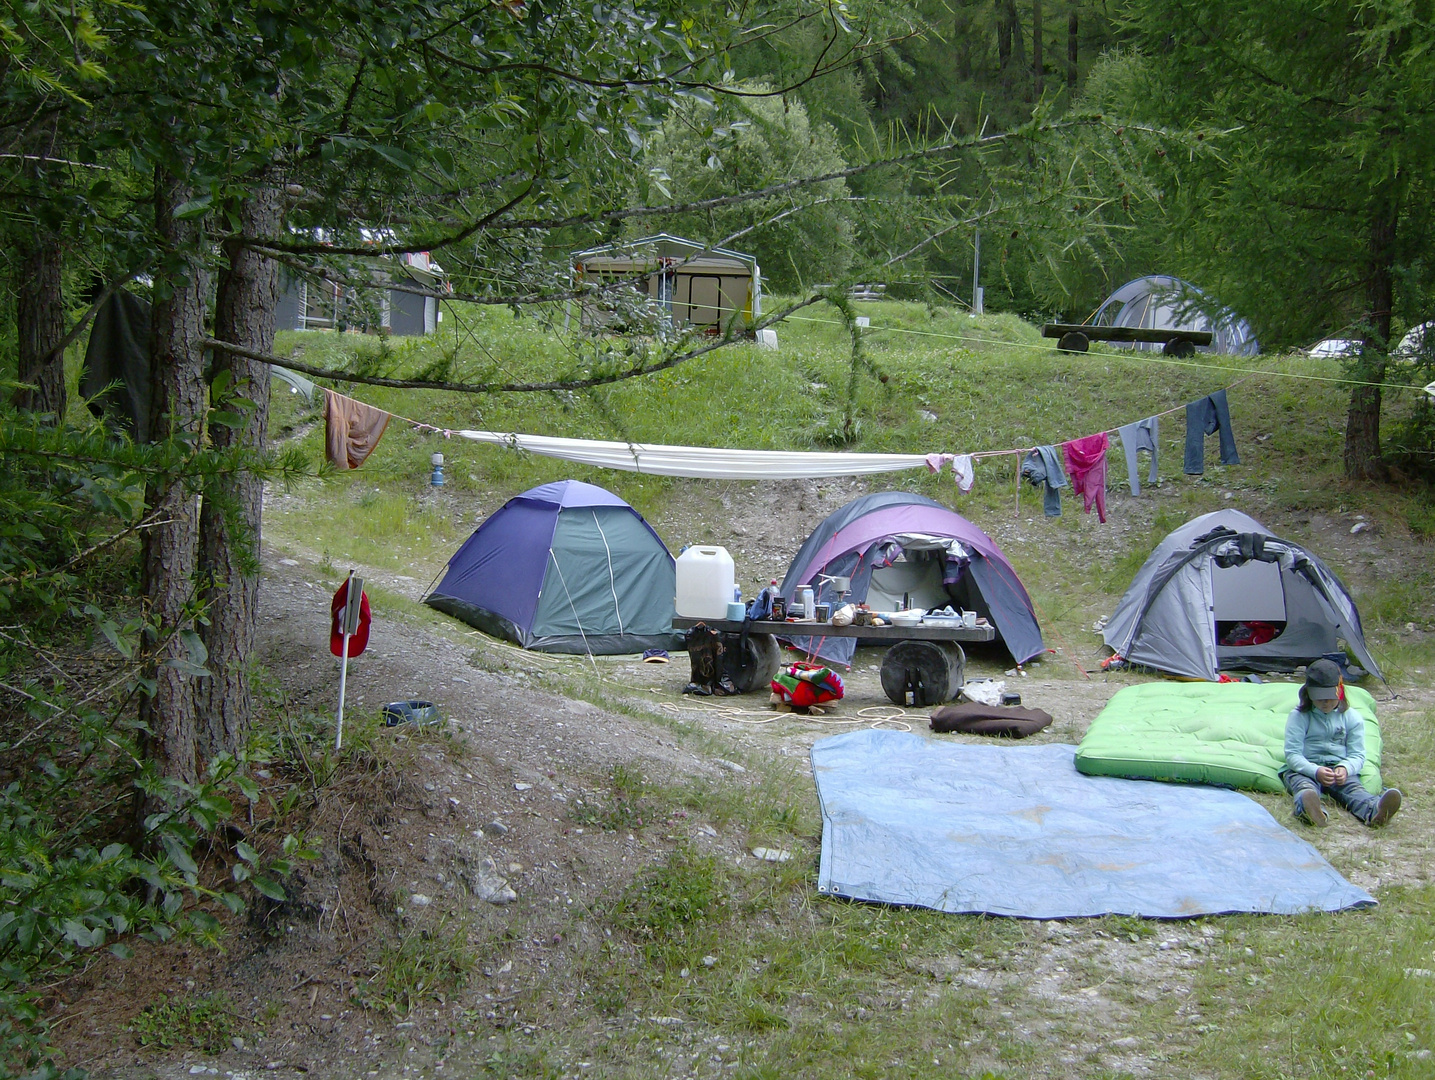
<point>359,632</point>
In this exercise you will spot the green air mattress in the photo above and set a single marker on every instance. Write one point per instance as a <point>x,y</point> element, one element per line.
<point>1230,734</point>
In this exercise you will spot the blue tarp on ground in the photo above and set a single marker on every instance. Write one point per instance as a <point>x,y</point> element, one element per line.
<point>1018,831</point>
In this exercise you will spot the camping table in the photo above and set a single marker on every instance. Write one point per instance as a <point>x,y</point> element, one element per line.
<point>923,666</point>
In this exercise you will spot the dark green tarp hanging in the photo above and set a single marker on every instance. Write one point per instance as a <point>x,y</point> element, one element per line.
<point>116,376</point>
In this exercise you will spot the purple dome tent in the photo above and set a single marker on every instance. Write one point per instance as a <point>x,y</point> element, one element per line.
<point>895,545</point>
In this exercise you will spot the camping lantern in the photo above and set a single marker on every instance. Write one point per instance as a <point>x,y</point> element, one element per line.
<point>436,480</point>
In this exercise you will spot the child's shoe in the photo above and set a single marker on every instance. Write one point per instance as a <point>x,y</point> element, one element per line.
<point>1310,806</point>
<point>1387,806</point>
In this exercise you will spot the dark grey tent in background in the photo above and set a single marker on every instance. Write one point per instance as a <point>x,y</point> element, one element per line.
<point>1221,571</point>
<point>1160,302</point>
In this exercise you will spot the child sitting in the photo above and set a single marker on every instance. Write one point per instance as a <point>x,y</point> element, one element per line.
<point>1325,751</point>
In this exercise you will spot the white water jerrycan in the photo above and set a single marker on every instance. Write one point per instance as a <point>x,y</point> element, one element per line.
<point>705,581</point>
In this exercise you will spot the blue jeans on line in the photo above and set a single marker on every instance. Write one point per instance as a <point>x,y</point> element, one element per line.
<point>1351,794</point>
<point>1204,417</point>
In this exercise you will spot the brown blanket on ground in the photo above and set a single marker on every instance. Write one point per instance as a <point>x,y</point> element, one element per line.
<point>974,718</point>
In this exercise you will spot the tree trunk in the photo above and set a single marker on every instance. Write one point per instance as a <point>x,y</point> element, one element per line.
<point>1011,44</point>
<point>1038,76</point>
<point>230,517</point>
<point>1362,422</point>
<point>1018,39</point>
<point>962,41</point>
<point>177,411</point>
<point>40,323</point>
<point>1071,42</point>
<point>1004,33</point>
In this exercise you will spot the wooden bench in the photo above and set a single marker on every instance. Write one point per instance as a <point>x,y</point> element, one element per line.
<point>924,665</point>
<point>1077,337</point>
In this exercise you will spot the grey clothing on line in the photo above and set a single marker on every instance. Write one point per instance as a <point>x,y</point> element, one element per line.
<point>1351,794</point>
<point>1141,435</point>
<point>1209,414</point>
<point>1042,467</point>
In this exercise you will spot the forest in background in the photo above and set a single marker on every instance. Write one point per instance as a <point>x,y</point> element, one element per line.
<point>968,68</point>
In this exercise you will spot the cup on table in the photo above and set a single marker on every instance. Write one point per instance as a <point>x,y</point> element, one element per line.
<point>823,612</point>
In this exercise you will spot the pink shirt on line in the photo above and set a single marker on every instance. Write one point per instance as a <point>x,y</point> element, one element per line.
<point>1086,469</point>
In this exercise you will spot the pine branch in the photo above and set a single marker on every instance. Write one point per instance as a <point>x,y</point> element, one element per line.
<point>491,220</point>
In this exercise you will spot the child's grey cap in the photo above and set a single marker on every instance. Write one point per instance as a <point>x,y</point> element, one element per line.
<point>1322,679</point>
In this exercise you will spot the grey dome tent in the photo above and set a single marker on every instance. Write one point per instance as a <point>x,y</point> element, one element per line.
<point>1225,577</point>
<point>565,567</point>
<point>1160,302</point>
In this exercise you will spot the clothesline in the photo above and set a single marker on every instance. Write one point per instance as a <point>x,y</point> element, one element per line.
<point>353,429</point>
<point>1109,431</point>
<point>695,462</point>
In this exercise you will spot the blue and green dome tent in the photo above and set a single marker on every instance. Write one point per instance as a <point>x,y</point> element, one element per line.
<point>565,567</point>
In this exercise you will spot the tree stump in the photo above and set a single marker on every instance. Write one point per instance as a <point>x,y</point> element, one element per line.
<point>1074,341</point>
<point>922,673</point>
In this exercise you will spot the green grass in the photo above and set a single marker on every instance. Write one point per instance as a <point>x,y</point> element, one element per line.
<point>193,1022</point>
<point>663,906</point>
<point>622,806</point>
<point>1337,996</point>
<point>430,961</point>
<point>698,957</point>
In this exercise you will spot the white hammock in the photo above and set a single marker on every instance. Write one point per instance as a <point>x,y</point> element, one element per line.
<point>703,461</point>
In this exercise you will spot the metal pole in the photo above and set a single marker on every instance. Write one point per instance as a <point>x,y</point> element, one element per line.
<point>343,678</point>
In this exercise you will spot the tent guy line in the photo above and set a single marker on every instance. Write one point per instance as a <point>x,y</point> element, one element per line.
<point>1123,354</point>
